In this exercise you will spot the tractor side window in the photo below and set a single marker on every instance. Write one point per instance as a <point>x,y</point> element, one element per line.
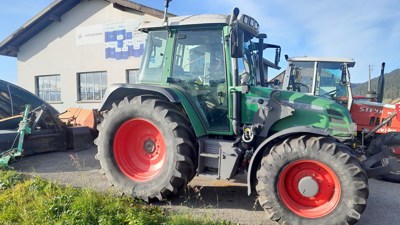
<point>200,67</point>
<point>153,60</point>
<point>244,70</point>
<point>301,77</point>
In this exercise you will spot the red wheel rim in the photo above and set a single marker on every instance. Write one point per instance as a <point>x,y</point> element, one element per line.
<point>139,149</point>
<point>309,188</point>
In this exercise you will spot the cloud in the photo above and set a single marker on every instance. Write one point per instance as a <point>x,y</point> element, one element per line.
<point>367,31</point>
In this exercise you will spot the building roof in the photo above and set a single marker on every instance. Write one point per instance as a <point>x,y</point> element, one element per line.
<point>10,45</point>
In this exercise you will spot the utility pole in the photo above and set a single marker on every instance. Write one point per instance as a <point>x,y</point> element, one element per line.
<point>371,68</point>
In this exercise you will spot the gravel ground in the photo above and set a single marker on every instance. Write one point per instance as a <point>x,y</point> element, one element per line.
<point>216,199</point>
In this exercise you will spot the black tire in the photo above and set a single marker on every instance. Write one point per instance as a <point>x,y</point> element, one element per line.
<point>390,140</point>
<point>145,148</point>
<point>303,160</point>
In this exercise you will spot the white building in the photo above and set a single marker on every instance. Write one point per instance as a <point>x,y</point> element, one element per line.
<point>73,49</point>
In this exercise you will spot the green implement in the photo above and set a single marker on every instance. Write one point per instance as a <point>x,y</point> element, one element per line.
<point>13,153</point>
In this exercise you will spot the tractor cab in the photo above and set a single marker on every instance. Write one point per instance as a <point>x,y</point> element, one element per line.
<point>325,77</point>
<point>210,54</point>
<point>330,78</point>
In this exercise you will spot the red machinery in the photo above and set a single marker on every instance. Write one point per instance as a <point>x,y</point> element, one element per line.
<point>378,124</point>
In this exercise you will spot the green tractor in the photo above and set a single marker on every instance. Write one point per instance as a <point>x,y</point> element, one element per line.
<point>201,108</point>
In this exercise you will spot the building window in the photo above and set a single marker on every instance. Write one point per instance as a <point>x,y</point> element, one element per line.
<point>92,86</point>
<point>132,76</point>
<point>49,88</point>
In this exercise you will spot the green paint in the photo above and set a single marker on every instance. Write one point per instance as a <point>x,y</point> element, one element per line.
<point>11,154</point>
<point>309,110</point>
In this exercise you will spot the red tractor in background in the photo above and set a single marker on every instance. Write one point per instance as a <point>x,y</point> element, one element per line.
<point>378,124</point>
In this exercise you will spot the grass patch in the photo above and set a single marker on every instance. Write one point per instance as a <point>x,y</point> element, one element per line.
<point>25,200</point>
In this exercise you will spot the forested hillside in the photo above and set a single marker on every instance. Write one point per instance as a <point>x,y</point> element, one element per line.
<point>391,90</point>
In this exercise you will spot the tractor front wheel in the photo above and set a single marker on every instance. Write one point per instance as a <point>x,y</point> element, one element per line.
<point>312,180</point>
<point>146,148</point>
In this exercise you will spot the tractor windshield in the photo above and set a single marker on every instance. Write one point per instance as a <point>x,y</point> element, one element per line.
<point>249,65</point>
<point>329,81</point>
<point>246,65</point>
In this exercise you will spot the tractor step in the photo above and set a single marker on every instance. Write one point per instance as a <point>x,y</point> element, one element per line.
<point>209,155</point>
<point>218,158</point>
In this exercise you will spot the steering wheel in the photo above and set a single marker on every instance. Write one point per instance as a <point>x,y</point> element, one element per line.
<point>330,93</point>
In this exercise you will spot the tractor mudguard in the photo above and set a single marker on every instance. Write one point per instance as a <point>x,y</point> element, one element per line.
<point>117,92</point>
<point>257,156</point>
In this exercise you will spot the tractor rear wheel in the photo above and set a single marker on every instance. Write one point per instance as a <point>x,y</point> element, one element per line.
<point>146,148</point>
<point>392,141</point>
<point>312,180</point>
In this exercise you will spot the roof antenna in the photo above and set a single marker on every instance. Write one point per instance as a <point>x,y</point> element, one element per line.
<point>165,23</point>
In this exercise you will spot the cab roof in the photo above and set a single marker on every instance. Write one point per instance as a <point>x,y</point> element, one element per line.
<point>186,20</point>
<point>348,61</point>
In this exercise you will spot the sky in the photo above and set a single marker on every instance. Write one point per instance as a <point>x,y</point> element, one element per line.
<point>365,31</point>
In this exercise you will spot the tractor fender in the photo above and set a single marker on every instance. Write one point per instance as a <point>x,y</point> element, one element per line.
<point>259,153</point>
<point>117,92</point>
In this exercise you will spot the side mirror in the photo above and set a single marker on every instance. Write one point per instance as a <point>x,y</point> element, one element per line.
<point>277,56</point>
<point>277,53</point>
<point>237,39</point>
<point>344,73</point>
<point>244,78</point>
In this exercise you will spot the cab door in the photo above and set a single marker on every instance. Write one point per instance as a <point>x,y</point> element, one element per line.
<point>199,67</point>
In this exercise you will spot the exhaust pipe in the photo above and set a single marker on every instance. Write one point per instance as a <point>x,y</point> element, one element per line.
<point>381,84</point>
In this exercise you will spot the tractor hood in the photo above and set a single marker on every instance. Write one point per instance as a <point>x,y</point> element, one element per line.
<point>13,99</point>
<point>368,115</point>
<point>308,110</point>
